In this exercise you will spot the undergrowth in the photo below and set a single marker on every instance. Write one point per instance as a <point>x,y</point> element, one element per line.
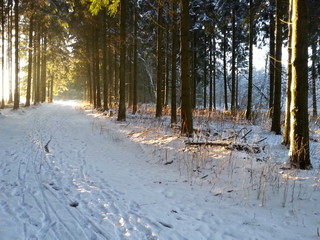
<point>255,176</point>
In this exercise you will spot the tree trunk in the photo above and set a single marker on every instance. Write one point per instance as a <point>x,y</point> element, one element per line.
<point>159,102</point>
<point>237,90</point>
<point>299,135</point>
<point>314,78</point>
<point>104,59</point>
<point>286,132</point>
<point>28,97</point>
<point>51,89</point>
<point>174,65</point>
<point>110,69</point>
<point>167,54</point>
<point>129,73</point>
<point>89,71</point>
<point>93,68</point>
<point>16,46</point>
<point>186,111</point>
<point>210,75</point>
<point>194,70</point>
<point>97,63</point>
<point>272,62</point>
<point>116,75</point>
<point>205,73</point>
<point>38,64</point>
<point>276,118</point>
<point>225,68</point>
<point>249,104</point>
<point>214,72</point>
<point>44,69</point>
<point>135,59</point>
<point>122,99</point>
<point>10,26</point>
<point>34,62</point>
<point>233,70</point>
<point>2,52</point>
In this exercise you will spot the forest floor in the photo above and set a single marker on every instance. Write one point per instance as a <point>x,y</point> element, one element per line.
<point>68,172</point>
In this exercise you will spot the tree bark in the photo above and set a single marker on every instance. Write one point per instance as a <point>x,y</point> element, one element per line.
<point>122,91</point>
<point>194,70</point>
<point>10,26</point>
<point>44,68</point>
<point>211,74</point>
<point>272,62</point>
<point>167,60</point>
<point>314,78</point>
<point>225,67</point>
<point>104,60</point>
<point>28,97</point>
<point>135,60</point>
<point>96,70</point>
<point>89,71</point>
<point>276,118</point>
<point>16,46</point>
<point>286,132</point>
<point>2,52</point>
<point>38,64</point>
<point>34,62</point>
<point>186,111</point>
<point>160,79</point>
<point>205,73</point>
<point>233,70</point>
<point>299,135</point>
<point>214,71</point>
<point>93,68</point>
<point>51,89</point>
<point>249,104</point>
<point>174,65</point>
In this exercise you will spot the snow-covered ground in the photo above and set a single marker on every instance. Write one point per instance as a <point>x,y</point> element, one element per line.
<point>67,173</point>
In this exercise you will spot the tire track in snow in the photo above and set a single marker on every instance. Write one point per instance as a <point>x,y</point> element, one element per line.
<point>48,182</point>
<point>43,128</point>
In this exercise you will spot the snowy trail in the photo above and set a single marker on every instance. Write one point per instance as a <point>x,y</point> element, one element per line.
<point>67,175</point>
<point>55,197</point>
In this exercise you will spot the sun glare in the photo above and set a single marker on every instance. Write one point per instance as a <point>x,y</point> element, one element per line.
<point>4,85</point>
<point>72,103</point>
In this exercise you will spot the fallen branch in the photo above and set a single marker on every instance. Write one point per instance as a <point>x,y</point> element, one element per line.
<point>261,140</point>
<point>231,146</point>
<point>168,163</point>
<point>46,148</point>
<point>221,144</point>
<point>246,147</point>
<point>244,136</point>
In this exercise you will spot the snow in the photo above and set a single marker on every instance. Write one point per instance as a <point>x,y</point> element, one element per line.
<point>103,179</point>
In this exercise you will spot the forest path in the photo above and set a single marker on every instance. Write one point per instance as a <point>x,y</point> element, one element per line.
<point>48,187</point>
<point>72,174</point>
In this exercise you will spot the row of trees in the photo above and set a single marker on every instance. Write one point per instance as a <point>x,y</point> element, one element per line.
<point>192,54</point>
<point>34,52</point>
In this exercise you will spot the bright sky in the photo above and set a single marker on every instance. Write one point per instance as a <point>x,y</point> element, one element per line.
<point>259,61</point>
<point>259,57</point>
